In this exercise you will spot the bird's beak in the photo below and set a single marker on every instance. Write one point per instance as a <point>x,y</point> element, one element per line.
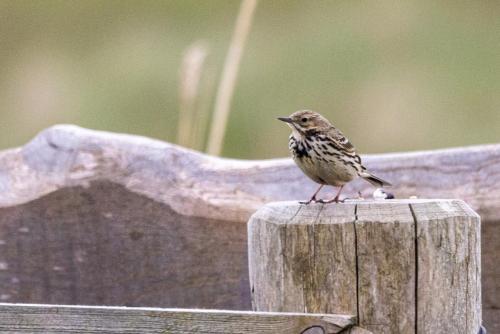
<point>285,119</point>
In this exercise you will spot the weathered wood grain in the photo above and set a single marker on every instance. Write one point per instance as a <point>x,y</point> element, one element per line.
<point>67,161</point>
<point>199,185</point>
<point>104,245</point>
<point>385,233</point>
<point>449,277</point>
<point>25,318</point>
<point>416,266</point>
<point>302,258</point>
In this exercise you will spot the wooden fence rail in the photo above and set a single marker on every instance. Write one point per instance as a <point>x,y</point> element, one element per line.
<point>48,319</point>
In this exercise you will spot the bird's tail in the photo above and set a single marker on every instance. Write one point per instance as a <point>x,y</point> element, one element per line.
<point>375,180</point>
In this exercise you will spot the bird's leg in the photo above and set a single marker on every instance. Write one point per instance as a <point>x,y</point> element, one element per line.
<point>313,198</point>
<point>336,198</point>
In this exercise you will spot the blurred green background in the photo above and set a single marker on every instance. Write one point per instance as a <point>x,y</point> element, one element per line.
<point>392,75</point>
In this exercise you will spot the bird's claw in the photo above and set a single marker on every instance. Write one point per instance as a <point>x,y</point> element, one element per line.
<point>312,200</point>
<point>333,200</point>
<point>322,201</point>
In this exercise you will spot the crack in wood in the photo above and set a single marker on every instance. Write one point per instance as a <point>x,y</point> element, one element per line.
<point>358,316</point>
<point>416,265</point>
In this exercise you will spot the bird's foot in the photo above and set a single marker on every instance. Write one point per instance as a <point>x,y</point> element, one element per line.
<point>312,200</point>
<point>333,200</point>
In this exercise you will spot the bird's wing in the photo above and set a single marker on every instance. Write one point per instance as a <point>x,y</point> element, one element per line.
<point>341,141</point>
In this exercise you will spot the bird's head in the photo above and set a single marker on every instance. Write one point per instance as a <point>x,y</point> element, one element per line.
<point>304,121</point>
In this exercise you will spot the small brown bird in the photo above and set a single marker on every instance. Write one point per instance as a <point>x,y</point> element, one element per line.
<point>324,154</point>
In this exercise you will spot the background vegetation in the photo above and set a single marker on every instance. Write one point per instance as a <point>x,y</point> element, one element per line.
<point>393,75</point>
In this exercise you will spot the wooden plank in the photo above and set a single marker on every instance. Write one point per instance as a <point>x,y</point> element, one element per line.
<point>104,245</point>
<point>195,184</point>
<point>385,238</point>
<point>302,258</point>
<point>26,318</point>
<point>449,277</point>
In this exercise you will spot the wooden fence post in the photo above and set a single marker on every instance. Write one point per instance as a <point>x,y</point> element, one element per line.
<point>401,266</point>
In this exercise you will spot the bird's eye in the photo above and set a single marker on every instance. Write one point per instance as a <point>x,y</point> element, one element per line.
<point>304,120</point>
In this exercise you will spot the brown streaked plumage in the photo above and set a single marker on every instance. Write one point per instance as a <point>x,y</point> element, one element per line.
<point>324,154</point>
